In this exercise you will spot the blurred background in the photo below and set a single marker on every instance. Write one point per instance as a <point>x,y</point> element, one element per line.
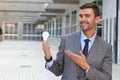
<point>23,21</point>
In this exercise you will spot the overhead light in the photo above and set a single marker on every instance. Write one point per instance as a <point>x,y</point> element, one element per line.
<point>39,13</point>
<point>10,24</point>
<point>46,5</point>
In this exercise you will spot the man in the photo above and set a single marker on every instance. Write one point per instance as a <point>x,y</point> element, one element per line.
<point>82,55</point>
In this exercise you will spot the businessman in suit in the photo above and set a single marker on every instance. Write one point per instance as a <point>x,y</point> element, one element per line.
<point>82,55</point>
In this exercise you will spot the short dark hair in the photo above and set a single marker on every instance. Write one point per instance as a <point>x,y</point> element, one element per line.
<point>93,6</point>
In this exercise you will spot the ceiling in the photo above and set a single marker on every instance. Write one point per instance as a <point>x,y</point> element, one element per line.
<point>38,11</point>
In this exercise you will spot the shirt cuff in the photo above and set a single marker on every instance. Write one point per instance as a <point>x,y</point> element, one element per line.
<point>87,69</point>
<point>49,64</point>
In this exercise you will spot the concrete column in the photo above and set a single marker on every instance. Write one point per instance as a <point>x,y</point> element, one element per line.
<point>119,39</point>
<point>3,28</point>
<point>63,24</point>
<point>112,38</point>
<point>20,30</point>
<point>108,31</point>
<point>55,28</point>
<point>104,30</point>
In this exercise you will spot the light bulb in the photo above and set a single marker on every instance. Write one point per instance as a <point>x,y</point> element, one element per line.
<point>45,35</point>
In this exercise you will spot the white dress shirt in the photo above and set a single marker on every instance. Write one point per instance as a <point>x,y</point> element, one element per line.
<point>83,37</point>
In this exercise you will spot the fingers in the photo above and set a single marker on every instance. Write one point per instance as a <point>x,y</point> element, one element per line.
<point>71,54</point>
<point>46,48</point>
<point>81,53</point>
<point>68,52</point>
<point>45,45</point>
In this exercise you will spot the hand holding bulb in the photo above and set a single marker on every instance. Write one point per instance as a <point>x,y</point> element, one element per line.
<point>45,35</point>
<point>46,46</point>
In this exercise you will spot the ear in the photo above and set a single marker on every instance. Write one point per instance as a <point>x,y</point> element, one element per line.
<point>97,19</point>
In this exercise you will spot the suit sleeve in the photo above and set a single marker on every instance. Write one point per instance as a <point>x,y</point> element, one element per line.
<point>105,73</point>
<point>58,64</point>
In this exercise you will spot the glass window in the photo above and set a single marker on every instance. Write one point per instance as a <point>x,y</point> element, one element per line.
<point>59,27</point>
<point>99,29</point>
<point>67,30</point>
<point>24,28</point>
<point>67,19</point>
<point>11,29</point>
<point>73,28</point>
<point>73,17</point>
<point>15,28</point>
<point>99,3</point>
<point>49,28</point>
<point>106,30</point>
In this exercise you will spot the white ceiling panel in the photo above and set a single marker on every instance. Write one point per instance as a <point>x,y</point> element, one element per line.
<point>47,13</point>
<point>62,6</point>
<point>21,7</point>
<point>32,1</point>
<point>30,10</point>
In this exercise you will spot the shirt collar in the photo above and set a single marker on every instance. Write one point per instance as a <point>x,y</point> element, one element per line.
<point>83,37</point>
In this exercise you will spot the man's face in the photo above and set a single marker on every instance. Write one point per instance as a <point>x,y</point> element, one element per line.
<point>87,19</point>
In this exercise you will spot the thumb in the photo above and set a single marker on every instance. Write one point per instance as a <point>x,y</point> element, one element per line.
<point>81,53</point>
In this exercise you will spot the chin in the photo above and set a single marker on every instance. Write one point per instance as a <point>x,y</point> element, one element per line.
<point>85,29</point>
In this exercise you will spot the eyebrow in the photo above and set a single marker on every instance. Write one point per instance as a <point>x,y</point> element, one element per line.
<point>84,14</point>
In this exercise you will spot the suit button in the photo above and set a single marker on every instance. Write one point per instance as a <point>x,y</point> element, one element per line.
<point>77,77</point>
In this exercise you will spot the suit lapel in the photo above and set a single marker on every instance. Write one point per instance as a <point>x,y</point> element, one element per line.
<point>93,49</point>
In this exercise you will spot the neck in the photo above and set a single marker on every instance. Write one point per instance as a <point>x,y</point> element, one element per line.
<point>89,34</point>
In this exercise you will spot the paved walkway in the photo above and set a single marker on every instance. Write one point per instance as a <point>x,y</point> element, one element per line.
<point>24,60</point>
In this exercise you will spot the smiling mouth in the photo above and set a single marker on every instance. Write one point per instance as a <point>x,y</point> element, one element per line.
<point>84,24</point>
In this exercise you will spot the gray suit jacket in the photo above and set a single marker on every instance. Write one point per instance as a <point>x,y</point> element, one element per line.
<point>99,58</point>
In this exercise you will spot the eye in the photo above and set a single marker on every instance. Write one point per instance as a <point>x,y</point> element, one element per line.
<point>87,15</point>
<point>80,15</point>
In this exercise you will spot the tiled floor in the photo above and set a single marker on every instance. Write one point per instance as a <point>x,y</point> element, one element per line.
<point>24,60</point>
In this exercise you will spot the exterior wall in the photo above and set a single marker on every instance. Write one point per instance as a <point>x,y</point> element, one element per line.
<point>109,9</point>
